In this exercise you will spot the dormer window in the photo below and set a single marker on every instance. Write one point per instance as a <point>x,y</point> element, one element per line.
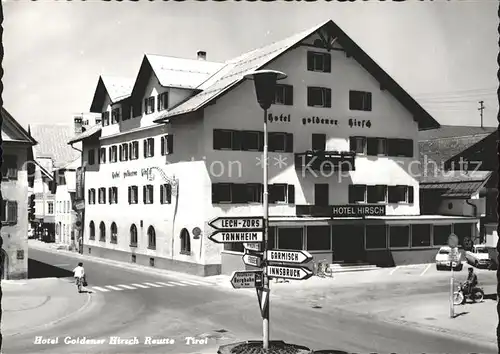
<point>149,105</point>
<point>115,116</point>
<point>163,101</point>
<point>105,118</point>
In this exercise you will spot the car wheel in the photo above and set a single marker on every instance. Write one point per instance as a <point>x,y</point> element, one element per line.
<point>438,267</point>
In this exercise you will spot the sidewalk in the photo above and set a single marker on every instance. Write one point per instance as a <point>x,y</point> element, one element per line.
<point>33,304</point>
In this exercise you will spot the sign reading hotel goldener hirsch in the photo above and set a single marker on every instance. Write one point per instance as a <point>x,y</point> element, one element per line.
<point>243,222</point>
<point>247,279</point>
<point>222,236</point>
<point>297,273</point>
<point>358,210</point>
<point>297,257</point>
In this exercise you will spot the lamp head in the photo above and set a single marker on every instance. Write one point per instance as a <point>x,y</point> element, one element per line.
<point>265,85</point>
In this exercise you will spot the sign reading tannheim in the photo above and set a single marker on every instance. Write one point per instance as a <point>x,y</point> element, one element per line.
<point>355,210</point>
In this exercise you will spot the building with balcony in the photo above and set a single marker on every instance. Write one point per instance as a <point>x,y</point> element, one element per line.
<point>16,144</point>
<point>182,143</point>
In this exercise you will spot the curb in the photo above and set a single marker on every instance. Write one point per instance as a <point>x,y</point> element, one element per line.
<point>54,322</point>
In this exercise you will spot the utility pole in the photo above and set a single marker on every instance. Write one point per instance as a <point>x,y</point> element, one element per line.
<point>481,109</point>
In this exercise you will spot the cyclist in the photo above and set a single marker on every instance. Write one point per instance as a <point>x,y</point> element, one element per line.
<point>79,273</point>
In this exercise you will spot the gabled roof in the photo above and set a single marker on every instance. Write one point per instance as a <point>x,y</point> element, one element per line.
<point>453,131</point>
<point>52,142</point>
<point>12,131</point>
<point>92,131</point>
<point>71,165</point>
<point>117,89</point>
<point>233,72</point>
<point>456,183</point>
<point>174,72</point>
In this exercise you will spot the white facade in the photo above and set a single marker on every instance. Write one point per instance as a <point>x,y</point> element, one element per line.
<point>199,167</point>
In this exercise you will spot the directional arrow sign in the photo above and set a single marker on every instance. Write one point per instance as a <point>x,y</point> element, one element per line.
<point>235,223</point>
<point>252,260</point>
<point>297,273</point>
<point>248,279</point>
<point>297,257</point>
<point>253,246</point>
<point>222,236</point>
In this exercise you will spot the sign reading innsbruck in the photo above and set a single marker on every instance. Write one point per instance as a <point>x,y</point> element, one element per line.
<point>297,273</point>
<point>243,222</point>
<point>222,236</point>
<point>252,260</point>
<point>357,210</point>
<point>297,257</point>
<point>247,279</point>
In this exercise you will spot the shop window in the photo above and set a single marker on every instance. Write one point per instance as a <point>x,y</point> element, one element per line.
<point>185,242</point>
<point>462,231</point>
<point>318,238</point>
<point>360,101</point>
<point>441,234</point>
<point>291,238</point>
<point>376,237</point>
<point>376,194</point>
<point>420,235</point>
<point>399,236</point>
<point>91,231</point>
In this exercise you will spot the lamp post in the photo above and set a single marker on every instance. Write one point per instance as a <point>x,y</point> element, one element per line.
<point>265,88</point>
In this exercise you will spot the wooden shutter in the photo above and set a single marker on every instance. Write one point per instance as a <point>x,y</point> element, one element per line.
<point>152,146</point>
<point>410,194</point>
<point>328,97</point>
<point>408,147</point>
<point>215,194</point>
<point>327,62</point>
<point>289,95</point>
<point>291,194</point>
<point>261,141</point>
<point>237,140</point>
<point>159,99</point>
<point>145,148</point>
<point>146,106</point>
<point>310,61</point>
<point>162,145</point>
<point>169,193</point>
<point>144,194</point>
<point>170,144</point>
<point>289,142</point>
<point>372,146</point>
<point>310,96</point>
<point>351,194</point>
<point>130,195</point>
<point>3,211</point>
<point>162,191</point>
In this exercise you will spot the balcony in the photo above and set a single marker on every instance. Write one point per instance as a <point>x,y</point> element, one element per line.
<point>325,161</point>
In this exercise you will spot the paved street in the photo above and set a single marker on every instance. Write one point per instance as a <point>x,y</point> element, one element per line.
<point>161,306</point>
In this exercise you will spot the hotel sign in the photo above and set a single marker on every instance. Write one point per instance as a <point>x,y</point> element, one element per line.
<point>129,173</point>
<point>358,210</point>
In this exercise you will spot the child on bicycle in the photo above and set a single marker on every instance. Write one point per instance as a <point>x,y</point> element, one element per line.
<point>79,273</point>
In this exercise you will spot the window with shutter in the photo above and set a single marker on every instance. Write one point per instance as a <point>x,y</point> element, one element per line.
<point>360,101</point>
<point>319,62</point>
<point>319,97</point>
<point>277,142</point>
<point>291,194</point>
<point>222,139</point>
<point>283,95</point>
<point>358,144</point>
<point>145,146</point>
<point>410,195</point>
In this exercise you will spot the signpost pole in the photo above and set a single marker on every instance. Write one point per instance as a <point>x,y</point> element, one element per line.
<point>265,202</point>
<point>452,309</point>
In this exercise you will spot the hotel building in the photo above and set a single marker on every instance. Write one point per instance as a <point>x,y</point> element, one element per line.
<point>182,142</point>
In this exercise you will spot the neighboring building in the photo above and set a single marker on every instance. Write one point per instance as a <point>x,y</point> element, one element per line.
<point>66,216</point>
<point>50,155</point>
<point>16,145</point>
<point>179,145</point>
<point>461,177</point>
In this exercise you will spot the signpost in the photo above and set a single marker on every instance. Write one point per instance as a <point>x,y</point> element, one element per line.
<point>248,279</point>
<point>252,260</point>
<point>238,223</point>
<point>223,236</point>
<point>453,244</point>
<point>297,273</point>
<point>296,257</point>
<point>256,247</point>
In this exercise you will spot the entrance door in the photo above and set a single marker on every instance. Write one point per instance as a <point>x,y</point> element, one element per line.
<point>348,243</point>
<point>321,194</point>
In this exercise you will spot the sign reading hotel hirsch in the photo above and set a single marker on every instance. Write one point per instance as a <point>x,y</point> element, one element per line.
<point>297,273</point>
<point>248,279</point>
<point>297,257</point>
<point>222,236</point>
<point>357,210</point>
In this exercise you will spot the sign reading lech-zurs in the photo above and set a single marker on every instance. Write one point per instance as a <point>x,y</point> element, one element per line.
<point>358,210</point>
<point>241,223</point>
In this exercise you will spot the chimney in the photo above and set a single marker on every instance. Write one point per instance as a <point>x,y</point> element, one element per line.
<point>202,55</point>
<point>78,125</point>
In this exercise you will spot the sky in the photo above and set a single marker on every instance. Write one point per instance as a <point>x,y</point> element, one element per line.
<point>443,53</point>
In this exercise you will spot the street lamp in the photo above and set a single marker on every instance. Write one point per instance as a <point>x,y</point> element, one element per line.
<point>265,89</point>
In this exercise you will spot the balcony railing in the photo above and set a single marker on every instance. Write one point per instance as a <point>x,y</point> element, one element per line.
<point>318,160</point>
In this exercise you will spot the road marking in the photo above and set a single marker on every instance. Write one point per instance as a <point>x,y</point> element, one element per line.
<point>426,269</point>
<point>180,284</point>
<point>61,265</point>
<point>188,282</point>
<point>99,288</point>
<point>392,271</point>
<point>164,284</point>
<point>154,285</point>
<point>127,287</point>
<point>112,287</point>
<point>141,286</point>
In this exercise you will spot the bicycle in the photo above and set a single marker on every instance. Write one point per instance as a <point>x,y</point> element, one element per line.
<point>323,269</point>
<point>79,282</point>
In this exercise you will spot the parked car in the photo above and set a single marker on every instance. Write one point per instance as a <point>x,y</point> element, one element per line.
<point>443,260</point>
<point>478,256</point>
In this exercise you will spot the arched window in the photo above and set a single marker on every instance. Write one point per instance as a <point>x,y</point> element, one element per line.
<point>114,233</point>
<point>91,231</point>
<point>133,235</point>
<point>102,232</point>
<point>151,238</point>
<point>58,229</point>
<point>185,242</point>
